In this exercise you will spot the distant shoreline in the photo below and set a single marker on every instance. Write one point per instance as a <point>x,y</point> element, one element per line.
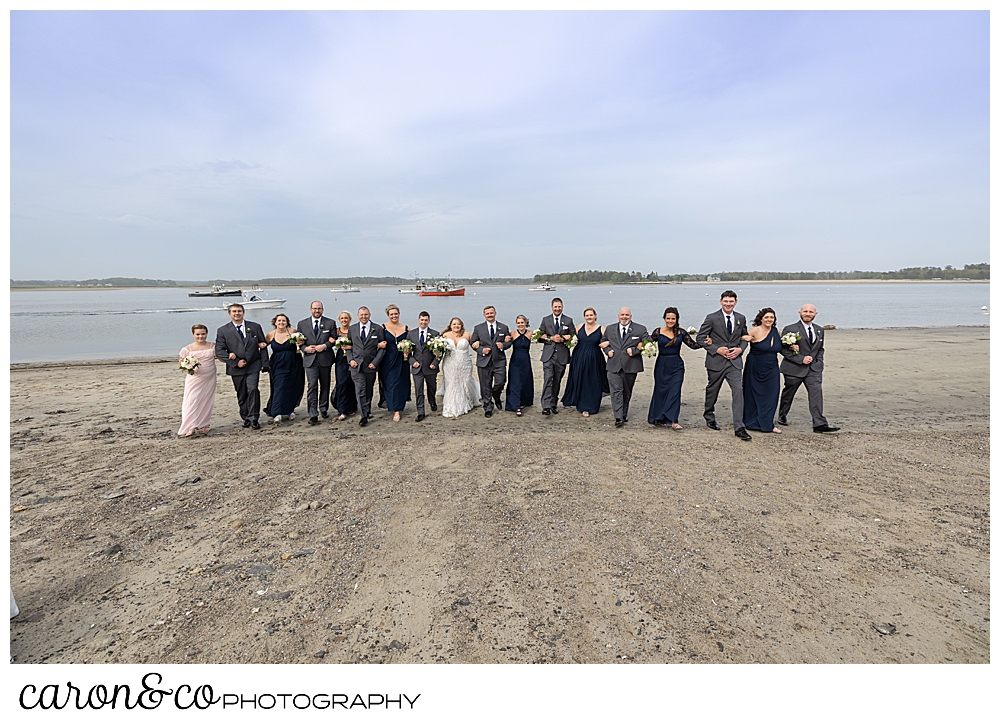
<point>558,284</point>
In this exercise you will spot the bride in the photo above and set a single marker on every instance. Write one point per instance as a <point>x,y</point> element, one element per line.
<point>458,386</point>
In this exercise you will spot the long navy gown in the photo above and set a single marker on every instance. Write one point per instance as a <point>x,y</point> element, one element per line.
<point>587,381</point>
<point>668,377</point>
<point>345,397</point>
<point>396,373</point>
<point>288,379</point>
<point>761,383</point>
<point>520,378</point>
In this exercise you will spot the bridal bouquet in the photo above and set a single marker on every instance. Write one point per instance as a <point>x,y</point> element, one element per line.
<point>569,340</point>
<point>405,346</point>
<point>791,340</point>
<point>190,364</point>
<point>298,339</point>
<point>342,342</point>
<point>648,349</point>
<point>536,336</point>
<point>439,346</point>
<point>693,331</point>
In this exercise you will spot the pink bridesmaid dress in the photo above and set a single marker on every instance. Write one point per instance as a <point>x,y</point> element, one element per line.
<point>199,391</point>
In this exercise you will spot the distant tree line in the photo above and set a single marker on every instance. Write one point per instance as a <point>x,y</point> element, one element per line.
<point>271,281</point>
<point>969,271</point>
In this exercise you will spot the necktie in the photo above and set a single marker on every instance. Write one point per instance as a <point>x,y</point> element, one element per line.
<point>624,332</point>
<point>492,333</point>
<point>240,328</point>
<point>316,327</point>
<point>422,338</point>
<point>811,340</point>
<point>729,324</point>
<point>557,325</point>
<point>362,335</point>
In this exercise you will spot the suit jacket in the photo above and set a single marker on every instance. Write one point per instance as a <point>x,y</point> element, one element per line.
<point>496,357</point>
<point>792,365</point>
<point>327,328</point>
<point>422,354</point>
<point>621,361</point>
<point>714,326</point>
<point>550,348</point>
<point>368,352</point>
<point>228,339</point>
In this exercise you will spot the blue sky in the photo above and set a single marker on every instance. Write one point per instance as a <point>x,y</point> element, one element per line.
<point>257,144</point>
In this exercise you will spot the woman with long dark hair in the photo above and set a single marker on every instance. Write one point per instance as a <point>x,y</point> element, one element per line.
<point>668,373</point>
<point>287,375</point>
<point>761,380</point>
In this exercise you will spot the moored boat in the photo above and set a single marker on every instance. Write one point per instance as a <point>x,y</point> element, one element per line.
<point>443,289</point>
<point>543,287</point>
<point>217,290</point>
<point>345,289</point>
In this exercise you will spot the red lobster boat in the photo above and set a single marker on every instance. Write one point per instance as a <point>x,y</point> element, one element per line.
<point>443,289</point>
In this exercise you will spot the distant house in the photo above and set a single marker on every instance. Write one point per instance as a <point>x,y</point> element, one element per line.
<point>712,278</point>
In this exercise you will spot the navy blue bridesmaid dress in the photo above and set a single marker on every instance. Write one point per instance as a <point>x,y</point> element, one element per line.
<point>288,379</point>
<point>668,377</point>
<point>520,379</point>
<point>345,397</point>
<point>761,383</point>
<point>587,381</point>
<point>396,373</point>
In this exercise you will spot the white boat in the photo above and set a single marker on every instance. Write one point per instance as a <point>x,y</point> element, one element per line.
<point>543,287</point>
<point>345,289</point>
<point>418,287</point>
<point>254,301</point>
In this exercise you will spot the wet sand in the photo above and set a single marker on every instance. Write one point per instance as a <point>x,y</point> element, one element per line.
<point>539,539</point>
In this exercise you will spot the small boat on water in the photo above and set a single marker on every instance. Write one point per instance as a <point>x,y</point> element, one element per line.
<point>217,290</point>
<point>255,301</point>
<point>543,287</point>
<point>443,289</point>
<point>345,289</point>
<point>417,288</point>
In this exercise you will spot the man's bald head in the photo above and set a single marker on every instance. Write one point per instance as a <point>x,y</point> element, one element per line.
<point>625,315</point>
<point>807,313</point>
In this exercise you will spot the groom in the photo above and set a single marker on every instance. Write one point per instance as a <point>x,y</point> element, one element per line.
<point>241,345</point>
<point>490,339</point>
<point>423,364</point>
<point>555,355</point>
<point>724,360</point>
<point>317,358</point>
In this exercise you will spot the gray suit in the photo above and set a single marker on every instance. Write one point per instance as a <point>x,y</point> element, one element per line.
<point>555,357</point>
<point>246,379</point>
<point>622,367</point>
<point>719,368</point>
<point>797,373</point>
<point>492,366</point>
<point>365,353</point>
<point>427,369</point>
<point>318,364</point>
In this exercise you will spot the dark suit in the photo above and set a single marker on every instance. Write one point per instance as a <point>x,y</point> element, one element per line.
<point>318,364</point>
<point>426,369</point>
<point>246,379</point>
<point>622,367</point>
<point>365,353</point>
<point>555,357</point>
<point>719,368</point>
<point>492,365</point>
<point>797,373</point>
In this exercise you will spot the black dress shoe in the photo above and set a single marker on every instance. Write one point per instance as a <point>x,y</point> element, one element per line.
<point>434,408</point>
<point>782,420</point>
<point>363,421</point>
<point>619,423</point>
<point>246,423</point>
<point>313,421</point>
<point>489,413</point>
<point>713,425</point>
<point>546,411</point>
<point>325,415</point>
<point>420,417</point>
<point>496,401</point>
<point>555,410</point>
<point>381,404</point>
<point>825,428</point>
<point>255,425</point>
<point>742,434</point>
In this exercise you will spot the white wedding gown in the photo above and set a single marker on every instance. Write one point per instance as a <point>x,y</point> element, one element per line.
<point>459,386</point>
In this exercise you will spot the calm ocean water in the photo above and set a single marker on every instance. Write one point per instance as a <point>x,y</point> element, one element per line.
<point>62,325</point>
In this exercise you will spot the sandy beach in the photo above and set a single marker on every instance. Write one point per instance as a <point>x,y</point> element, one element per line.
<point>534,539</point>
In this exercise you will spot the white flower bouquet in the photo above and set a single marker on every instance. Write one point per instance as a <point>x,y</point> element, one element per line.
<point>536,336</point>
<point>439,347</point>
<point>405,346</point>
<point>342,342</point>
<point>648,349</point>
<point>791,340</point>
<point>190,364</point>
<point>298,339</point>
<point>569,340</point>
<point>692,331</point>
